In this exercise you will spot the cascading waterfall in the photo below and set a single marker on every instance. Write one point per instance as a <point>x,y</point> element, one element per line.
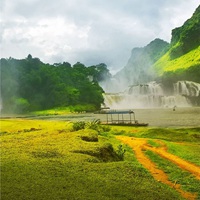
<point>187,88</point>
<point>153,95</point>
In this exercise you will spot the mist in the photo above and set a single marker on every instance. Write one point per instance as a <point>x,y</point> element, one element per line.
<point>138,86</point>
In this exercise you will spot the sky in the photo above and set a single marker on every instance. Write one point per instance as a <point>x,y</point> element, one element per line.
<point>87,31</point>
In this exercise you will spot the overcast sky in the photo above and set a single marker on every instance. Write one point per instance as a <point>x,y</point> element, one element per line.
<point>88,31</point>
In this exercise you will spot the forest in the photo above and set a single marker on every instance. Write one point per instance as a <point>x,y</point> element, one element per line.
<point>29,85</point>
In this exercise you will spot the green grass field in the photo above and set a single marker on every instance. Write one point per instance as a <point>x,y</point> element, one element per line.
<point>48,160</point>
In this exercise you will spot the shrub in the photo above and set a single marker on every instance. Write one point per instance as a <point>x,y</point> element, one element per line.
<point>120,152</point>
<point>95,125</point>
<point>106,128</point>
<point>78,125</point>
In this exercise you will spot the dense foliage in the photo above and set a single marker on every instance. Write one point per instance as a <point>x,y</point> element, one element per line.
<point>30,84</point>
<point>190,74</point>
<point>186,37</point>
<point>183,54</point>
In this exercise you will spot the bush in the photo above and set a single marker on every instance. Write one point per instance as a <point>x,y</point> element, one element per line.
<point>95,125</point>
<point>78,125</point>
<point>121,152</point>
<point>106,128</point>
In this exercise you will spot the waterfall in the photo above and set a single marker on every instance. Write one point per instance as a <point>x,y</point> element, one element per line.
<point>187,88</point>
<point>152,95</point>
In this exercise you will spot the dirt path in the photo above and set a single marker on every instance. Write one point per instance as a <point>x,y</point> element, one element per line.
<point>140,144</point>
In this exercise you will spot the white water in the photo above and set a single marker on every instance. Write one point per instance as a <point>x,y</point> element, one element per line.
<point>152,95</point>
<point>187,88</point>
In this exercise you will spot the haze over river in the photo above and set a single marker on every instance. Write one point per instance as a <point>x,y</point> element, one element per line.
<point>161,117</point>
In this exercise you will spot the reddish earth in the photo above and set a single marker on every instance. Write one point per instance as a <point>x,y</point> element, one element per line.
<point>140,144</point>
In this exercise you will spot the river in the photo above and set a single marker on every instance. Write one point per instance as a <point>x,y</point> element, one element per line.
<point>165,117</point>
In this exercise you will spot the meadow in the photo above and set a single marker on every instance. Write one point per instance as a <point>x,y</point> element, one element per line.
<point>55,160</point>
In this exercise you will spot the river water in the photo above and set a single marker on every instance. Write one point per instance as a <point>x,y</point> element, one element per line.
<point>165,117</point>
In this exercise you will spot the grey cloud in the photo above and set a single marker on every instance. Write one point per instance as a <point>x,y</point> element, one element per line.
<point>95,31</point>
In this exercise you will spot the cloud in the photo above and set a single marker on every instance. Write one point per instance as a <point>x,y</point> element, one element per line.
<point>87,31</point>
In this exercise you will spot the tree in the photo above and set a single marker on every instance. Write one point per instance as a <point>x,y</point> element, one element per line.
<point>30,84</point>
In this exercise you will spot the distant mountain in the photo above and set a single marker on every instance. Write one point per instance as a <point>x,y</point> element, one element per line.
<point>138,69</point>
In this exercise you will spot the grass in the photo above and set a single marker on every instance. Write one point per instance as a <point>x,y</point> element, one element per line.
<point>153,143</point>
<point>47,160</point>
<point>182,142</point>
<point>55,111</point>
<point>65,110</point>
<point>170,134</point>
<point>176,175</point>
<point>186,151</point>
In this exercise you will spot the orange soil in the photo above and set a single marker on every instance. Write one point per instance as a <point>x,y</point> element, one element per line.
<point>140,144</point>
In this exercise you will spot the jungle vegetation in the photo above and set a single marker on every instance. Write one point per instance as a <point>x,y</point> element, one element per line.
<point>29,84</point>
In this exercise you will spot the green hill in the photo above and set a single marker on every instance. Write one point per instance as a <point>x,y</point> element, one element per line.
<point>165,63</point>
<point>184,51</point>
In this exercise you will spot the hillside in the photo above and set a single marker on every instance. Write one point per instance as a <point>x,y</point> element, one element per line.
<point>186,37</point>
<point>184,51</point>
<point>187,60</point>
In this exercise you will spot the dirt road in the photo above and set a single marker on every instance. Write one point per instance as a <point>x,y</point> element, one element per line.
<point>140,144</point>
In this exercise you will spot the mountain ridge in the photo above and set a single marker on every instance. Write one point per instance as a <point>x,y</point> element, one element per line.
<point>138,68</point>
